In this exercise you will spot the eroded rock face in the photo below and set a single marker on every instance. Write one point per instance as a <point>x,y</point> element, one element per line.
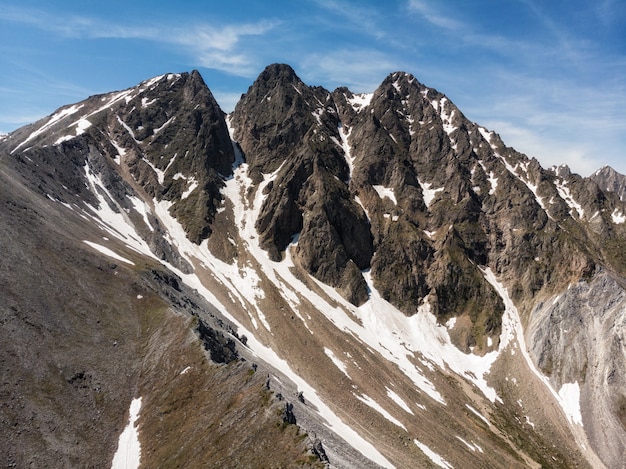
<point>578,339</point>
<point>288,133</point>
<point>168,133</point>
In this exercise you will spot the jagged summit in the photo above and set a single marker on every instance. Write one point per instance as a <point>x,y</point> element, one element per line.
<point>279,73</point>
<point>610,180</point>
<point>401,278</point>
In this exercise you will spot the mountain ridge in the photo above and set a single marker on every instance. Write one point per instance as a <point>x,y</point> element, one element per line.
<point>394,198</point>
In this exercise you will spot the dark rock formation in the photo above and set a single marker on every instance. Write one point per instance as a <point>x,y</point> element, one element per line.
<point>287,415</point>
<point>221,348</point>
<point>290,129</point>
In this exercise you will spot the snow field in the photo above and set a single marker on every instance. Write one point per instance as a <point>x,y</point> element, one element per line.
<point>107,252</point>
<point>570,401</point>
<point>128,454</point>
<point>434,457</point>
<point>428,193</point>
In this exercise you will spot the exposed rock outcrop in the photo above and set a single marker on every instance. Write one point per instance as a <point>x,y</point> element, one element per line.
<point>288,133</point>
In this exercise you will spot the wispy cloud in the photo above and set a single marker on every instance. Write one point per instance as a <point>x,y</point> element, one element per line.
<point>608,11</point>
<point>221,47</point>
<point>551,148</point>
<point>554,119</point>
<point>355,16</point>
<point>563,42</point>
<point>431,14</point>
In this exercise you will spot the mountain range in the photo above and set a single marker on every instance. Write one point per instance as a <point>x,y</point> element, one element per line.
<point>317,279</point>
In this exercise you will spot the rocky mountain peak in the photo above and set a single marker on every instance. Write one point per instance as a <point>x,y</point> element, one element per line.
<point>168,133</point>
<point>289,135</point>
<point>278,73</point>
<point>610,180</point>
<point>273,116</point>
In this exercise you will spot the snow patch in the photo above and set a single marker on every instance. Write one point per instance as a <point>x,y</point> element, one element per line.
<point>114,222</point>
<point>472,446</point>
<point>570,401</point>
<point>398,400</point>
<point>568,396</point>
<point>338,363</point>
<point>493,182</point>
<point>344,134</point>
<point>128,454</point>
<point>618,217</point>
<point>53,120</point>
<point>400,338</point>
<point>165,124</point>
<point>487,135</point>
<point>159,172</point>
<point>128,129</point>
<point>434,457</point>
<point>145,102</point>
<point>148,84</point>
<point>360,101</point>
<point>385,192</point>
<point>446,116</point>
<point>81,126</point>
<point>141,208</point>
<point>478,414</point>
<point>532,187</point>
<point>566,195</point>
<point>192,186</point>
<point>126,95</point>
<point>378,408</point>
<point>107,252</point>
<point>318,115</point>
<point>121,152</point>
<point>428,193</point>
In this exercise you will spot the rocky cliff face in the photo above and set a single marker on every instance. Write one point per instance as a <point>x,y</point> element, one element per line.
<point>400,182</point>
<point>384,261</point>
<point>577,340</point>
<point>289,130</point>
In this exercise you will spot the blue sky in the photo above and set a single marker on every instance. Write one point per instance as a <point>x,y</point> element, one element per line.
<point>548,76</point>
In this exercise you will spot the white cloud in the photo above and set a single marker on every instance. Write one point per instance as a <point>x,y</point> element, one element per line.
<point>222,48</point>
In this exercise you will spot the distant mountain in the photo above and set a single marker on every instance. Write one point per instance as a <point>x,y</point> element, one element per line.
<point>319,279</point>
<point>611,181</point>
